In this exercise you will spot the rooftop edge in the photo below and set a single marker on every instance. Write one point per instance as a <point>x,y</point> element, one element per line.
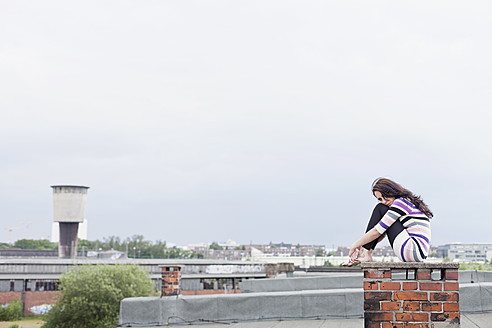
<point>409,265</point>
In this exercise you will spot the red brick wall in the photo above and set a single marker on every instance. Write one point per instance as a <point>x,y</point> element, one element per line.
<point>8,297</point>
<point>418,303</point>
<point>39,298</point>
<point>31,298</point>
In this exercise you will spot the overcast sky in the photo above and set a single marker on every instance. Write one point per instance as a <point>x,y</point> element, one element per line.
<point>257,121</point>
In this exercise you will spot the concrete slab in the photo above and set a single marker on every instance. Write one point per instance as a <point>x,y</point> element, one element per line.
<point>192,308</point>
<point>486,296</point>
<point>342,281</point>
<point>286,308</point>
<point>485,276</point>
<point>481,320</point>
<point>303,283</point>
<point>295,324</point>
<point>354,303</point>
<point>140,311</point>
<point>473,276</point>
<point>317,305</point>
<point>466,277</point>
<point>345,323</point>
<point>238,307</point>
<point>470,300</point>
<point>351,280</point>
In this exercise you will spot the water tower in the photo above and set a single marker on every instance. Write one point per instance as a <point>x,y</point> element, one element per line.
<point>69,210</point>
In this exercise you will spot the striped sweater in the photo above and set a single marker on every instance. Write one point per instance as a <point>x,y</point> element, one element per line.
<point>413,243</point>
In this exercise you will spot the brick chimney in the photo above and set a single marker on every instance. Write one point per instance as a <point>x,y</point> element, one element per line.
<point>411,295</point>
<point>171,280</point>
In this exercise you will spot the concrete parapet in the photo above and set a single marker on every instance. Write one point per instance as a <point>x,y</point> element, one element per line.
<point>476,297</point>
<point>410,265</point>
<point>341,281</point>
<point>474,276</point>
<point>155,311</point>
<point>332,301</point>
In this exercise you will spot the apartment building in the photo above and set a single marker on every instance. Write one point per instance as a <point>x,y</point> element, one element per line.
<point>469,252</point>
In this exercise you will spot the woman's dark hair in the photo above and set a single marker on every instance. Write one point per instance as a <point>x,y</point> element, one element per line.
<point>389,188</point>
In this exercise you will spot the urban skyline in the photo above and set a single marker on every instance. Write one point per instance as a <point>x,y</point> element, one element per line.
<point>190,122</point>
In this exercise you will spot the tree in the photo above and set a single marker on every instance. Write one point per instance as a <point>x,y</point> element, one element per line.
<point>136,246</point>
<point>91,295</point>
<point>43,244</point>
<point>328,264</point>
<point>113,242</point>
<point>176,253</point>
<point>215,246</point>
<point>12,311</point>
<point>320,252</point>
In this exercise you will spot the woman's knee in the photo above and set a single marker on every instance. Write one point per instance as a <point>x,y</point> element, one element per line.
<point>381,208</point>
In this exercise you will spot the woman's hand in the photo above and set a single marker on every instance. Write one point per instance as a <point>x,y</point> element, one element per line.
<point>354,252</point>
<point>368,237</point>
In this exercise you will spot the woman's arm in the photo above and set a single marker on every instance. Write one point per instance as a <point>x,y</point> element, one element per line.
<point>368,237</point>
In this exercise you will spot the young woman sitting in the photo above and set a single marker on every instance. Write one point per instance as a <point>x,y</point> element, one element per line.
<point>403,217</point>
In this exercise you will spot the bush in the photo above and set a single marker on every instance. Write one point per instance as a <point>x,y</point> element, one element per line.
<point>328,264</point>
<point>91,295</point>
<point>12,312</point>
<point>14,326</point>
<point>475,266</point>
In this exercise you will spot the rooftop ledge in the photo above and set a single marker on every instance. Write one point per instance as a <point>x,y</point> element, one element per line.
<point>409,265</point>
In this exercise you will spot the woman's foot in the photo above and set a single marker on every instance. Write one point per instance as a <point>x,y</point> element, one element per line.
<point>353,260</point>
<point>365,255</point>
<point>361,256</point>
<point>351,263</point>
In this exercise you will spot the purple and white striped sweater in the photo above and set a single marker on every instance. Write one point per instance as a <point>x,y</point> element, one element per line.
<point>414,240</point>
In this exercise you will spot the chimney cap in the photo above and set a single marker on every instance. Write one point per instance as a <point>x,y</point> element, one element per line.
<point>70,186</point>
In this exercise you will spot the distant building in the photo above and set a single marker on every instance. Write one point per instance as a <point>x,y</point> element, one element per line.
<point>230,244</point>
<point>197,248</point>
<point>469,252</point>
<point>342,251</point>
<point>289,250</point>
<point>233,251</point>
<point>229,254</point>
<point>443,251</point>
<point>380,251</point>
<point>35,280</point>
<point>384,251</point>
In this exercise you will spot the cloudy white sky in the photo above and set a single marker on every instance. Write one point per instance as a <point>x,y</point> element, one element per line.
<point>257,121</point>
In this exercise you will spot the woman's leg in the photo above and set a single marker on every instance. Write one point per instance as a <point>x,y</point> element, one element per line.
<point>365,254</point>
<point>377,214</point>
<point>405,247</point>
<point>393,231</point>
